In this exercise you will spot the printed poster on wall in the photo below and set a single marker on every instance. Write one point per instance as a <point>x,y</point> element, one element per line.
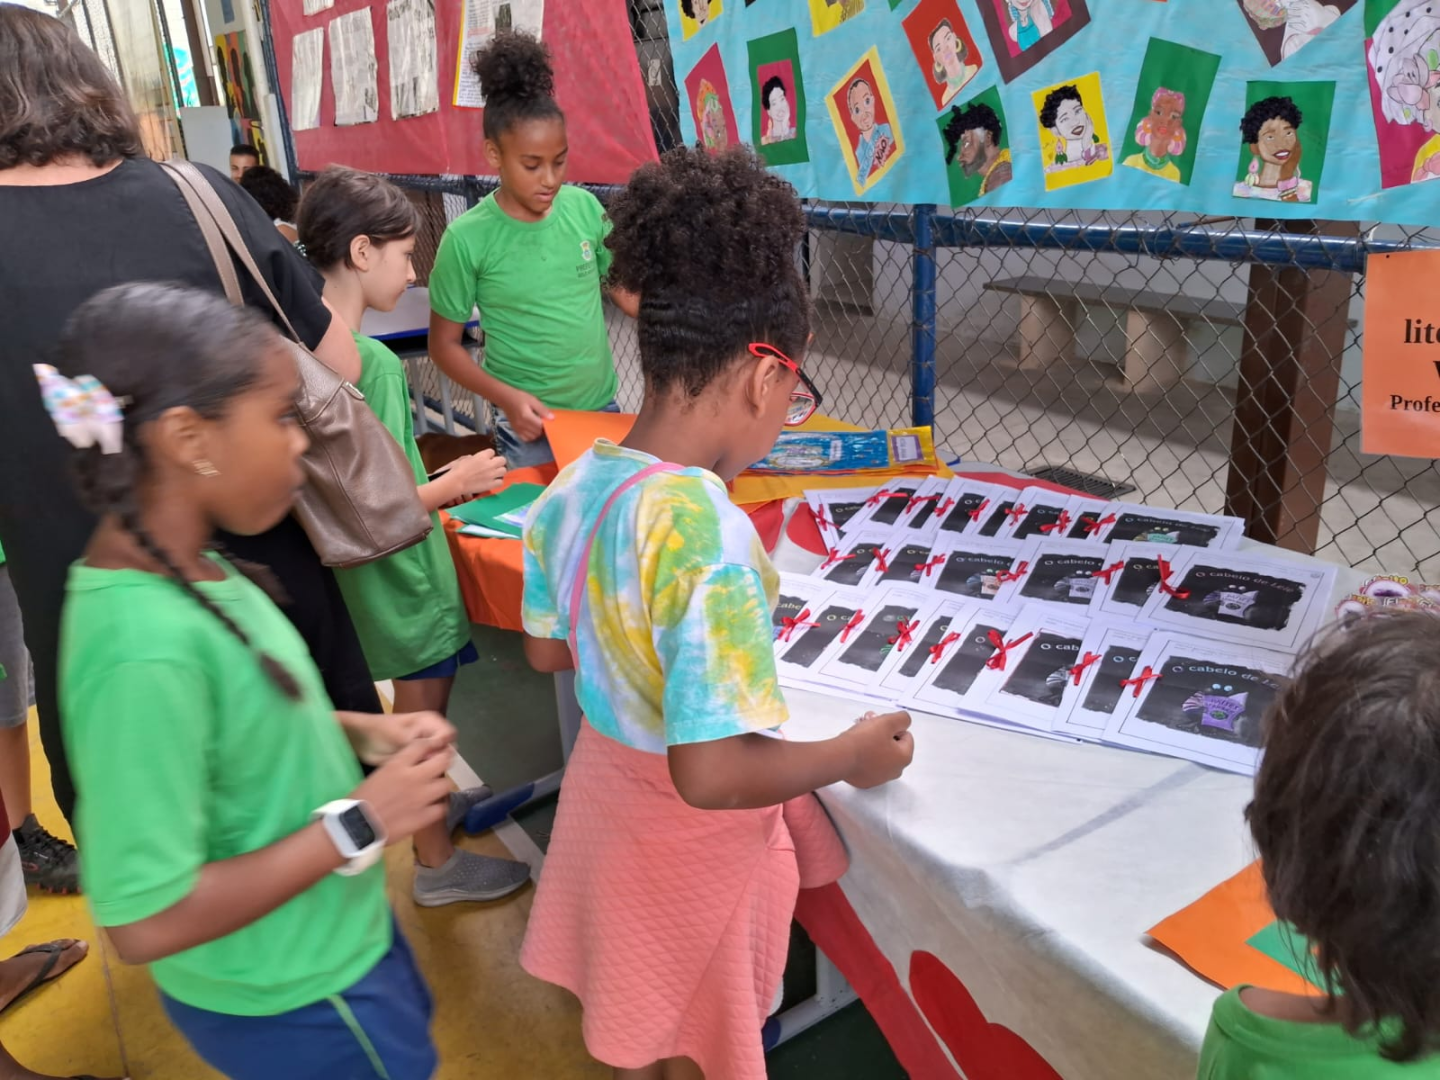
<point>1400,384</point>
<point>1226,108</point>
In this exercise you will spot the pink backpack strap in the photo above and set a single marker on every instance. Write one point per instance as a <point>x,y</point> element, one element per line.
<point>582,569</point>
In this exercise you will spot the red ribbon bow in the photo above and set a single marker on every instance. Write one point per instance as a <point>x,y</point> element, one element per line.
<point>904,632</point>
<point>1013,575</point>
<point>855,620</point>
<point>882,560</point>
<point>1079,669</point>
<point>1109,571</point>
<point>938,649</point>
<point>1016,512</point>
<point>1165,586</point>
<point>944,507</point>
<point>997,661</point>
<point>835,557</point>
<point>1140,680</point>
<point>1060,524</point>
<point>916,500</point>
<point>789,625</point>
<point>930,564</point>
<point>1092,525</point>
<point>821,520</point>
<point>975,514</point>
<point>881,496</point>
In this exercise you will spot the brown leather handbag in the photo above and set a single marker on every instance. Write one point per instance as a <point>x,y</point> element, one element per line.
<point>359,502</point>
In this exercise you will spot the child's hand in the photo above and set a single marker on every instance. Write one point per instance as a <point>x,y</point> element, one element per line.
<point>410,790</point>
<point>377,738</point>
<point>883,748</point>
<point>475,474</point>
<point>526,415</point>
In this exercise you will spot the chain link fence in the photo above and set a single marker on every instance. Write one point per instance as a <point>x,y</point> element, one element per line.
<point>1198,364</point>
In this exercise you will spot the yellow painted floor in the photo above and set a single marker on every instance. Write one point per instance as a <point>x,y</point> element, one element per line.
<point>492,1020</point>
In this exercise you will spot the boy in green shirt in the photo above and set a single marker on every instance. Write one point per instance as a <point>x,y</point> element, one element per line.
<point>1344,817</point>
<point>532,257</point>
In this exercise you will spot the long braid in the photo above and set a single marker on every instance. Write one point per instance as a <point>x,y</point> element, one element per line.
<point>272,667</point>
<point>260,575</point>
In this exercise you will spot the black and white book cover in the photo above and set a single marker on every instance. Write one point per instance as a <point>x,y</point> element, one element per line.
<point>1106,659</point>
<point>796,608</point>
<point>852,562</point>
<point>1181,528</point>
<point>1026,682</point>
<point>938,635</point>
<point>1060,572</point>
<point>966,506</point>
<point>975,568</point>
<point>836,616</point>
<point>1086,518</point>
<point>919,521</point>
<point>1200,700</point>
<point>1037,512</point>
<point>946,687</point>
<point>884,507</point>
<point>893,624</point>
<point>1131,575</point>
<point>835,508</point>
<point>1242,599</point>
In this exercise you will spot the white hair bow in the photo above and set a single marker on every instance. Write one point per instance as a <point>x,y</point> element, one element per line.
<point>84,412</point>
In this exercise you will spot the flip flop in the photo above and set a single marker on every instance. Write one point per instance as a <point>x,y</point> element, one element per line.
<point>52,950</point>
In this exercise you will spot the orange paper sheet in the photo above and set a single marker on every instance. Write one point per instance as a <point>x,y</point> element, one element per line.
<point>1400,391</point>
<point>1211,936</point>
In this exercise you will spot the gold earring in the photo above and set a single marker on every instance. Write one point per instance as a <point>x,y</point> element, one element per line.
<point>205,469</point>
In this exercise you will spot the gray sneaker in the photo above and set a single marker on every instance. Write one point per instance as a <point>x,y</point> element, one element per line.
<point>467,877</point>
<point>461,802</point>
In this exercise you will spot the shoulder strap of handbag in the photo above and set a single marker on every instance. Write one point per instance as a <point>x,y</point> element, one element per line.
<point>582,569</point>
<point>220,230</point>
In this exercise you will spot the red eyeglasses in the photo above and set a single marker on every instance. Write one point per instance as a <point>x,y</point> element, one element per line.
<point>805,398</point>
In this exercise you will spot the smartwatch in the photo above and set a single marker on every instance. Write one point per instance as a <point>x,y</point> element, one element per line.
<point>355,832</point>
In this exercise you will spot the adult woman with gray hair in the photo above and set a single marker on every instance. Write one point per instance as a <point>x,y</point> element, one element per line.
<point>84,209</point>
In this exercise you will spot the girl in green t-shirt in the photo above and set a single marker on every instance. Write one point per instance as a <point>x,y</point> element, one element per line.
<point>230,840</point>
<point>1345,816</point>
<point>532,257</point>
<point>359,232</point>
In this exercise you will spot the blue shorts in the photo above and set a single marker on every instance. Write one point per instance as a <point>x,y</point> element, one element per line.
<point>379,1029</point>
<point>519,454</point>
<point>447,667</point>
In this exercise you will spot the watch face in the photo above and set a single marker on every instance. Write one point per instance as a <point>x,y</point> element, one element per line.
<point>357,827</point>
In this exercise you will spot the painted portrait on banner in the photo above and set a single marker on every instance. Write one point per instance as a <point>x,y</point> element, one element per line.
<point>1024,32</point>
<point>237,79</point>
<point>777,99</point>
<point>1283,27</point>
<point>1170,101</point>
<point>695,15</point>
<point>1074,136</point>
<point>944,48</point>
<point>708,92</point>
<point>1402,55</point>
<point>866,122</point>
<point>826,15</point>
<point>1284,133</point>
<point>976,140</point>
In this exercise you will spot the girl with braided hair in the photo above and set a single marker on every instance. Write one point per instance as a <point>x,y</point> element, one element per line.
<point>230,841</point>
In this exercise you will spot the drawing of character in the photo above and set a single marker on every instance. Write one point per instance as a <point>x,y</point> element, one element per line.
<point>1076,141</point>
<point>1220,708</point>
<point>713,135</point>
<point>697,10</point>
<point>848,9</point>
<point>1161,135</point>
<point>1271,128</point>
<point>973,134</point>
<point>1302,19</point>
<point>1030,20</point>
<point>779,119</point>
<point>877,141</point>
<point>1405,55</point>
<point>950,53</point>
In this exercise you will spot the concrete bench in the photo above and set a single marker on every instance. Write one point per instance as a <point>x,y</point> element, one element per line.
<point>1157,354</point>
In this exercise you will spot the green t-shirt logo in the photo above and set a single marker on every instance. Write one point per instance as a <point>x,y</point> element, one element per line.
<point>586,251</point>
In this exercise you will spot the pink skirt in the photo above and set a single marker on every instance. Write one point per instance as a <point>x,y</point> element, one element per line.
<point>670,924</point>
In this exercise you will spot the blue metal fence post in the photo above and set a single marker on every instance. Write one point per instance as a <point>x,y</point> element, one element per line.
<point>922,332</point>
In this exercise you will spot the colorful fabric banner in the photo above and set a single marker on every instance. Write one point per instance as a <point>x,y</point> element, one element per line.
<point>388,90</point>
<point>1222,108</point>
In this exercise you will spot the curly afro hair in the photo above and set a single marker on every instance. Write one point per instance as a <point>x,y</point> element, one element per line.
<point>272,191</point>
<point>708,241</point>
<point>517,80</point>
<point>976,117</point>
<point>1270,108</point>
<point>1053,100</point>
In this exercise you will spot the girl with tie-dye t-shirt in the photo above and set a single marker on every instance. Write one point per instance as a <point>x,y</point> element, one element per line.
<point>685,827</point>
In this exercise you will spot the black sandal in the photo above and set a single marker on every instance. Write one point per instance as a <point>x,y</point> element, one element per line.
<point>53,950</point>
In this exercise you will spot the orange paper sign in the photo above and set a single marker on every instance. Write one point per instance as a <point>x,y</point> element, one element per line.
<point>1400,390</point>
